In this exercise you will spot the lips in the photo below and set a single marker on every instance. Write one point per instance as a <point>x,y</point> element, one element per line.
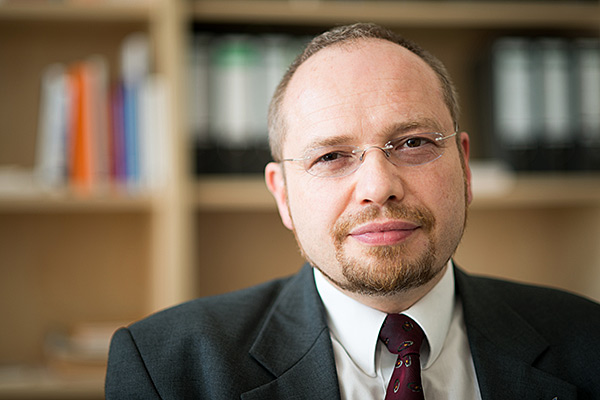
<point>384,233</point>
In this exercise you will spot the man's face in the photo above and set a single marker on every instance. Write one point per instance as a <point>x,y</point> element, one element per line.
<point>383,228</point>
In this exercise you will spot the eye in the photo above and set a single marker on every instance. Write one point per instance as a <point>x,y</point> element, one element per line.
<point>414,142</point>
<point>331,156</point>
<point>330,159</point>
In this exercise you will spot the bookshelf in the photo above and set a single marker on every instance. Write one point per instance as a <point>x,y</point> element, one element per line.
<point>69,260</point>
<point>459,14</point>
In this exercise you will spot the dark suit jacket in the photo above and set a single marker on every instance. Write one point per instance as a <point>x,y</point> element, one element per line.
<point>272,342</point>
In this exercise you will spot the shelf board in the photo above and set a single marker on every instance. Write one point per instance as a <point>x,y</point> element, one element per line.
<point>519,191</point>
<point>38,383</point>
<point>64,201</point>
<point>541,190</point>
<point>232,193</point>
<point>69,10</point>
<point>433,13</point>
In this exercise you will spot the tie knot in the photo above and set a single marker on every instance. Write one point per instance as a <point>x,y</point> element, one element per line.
<point>401,334</point>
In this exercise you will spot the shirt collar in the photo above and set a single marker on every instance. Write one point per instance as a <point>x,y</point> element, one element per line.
<point>356,326</point>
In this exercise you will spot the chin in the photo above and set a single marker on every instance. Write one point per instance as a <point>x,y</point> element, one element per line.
<point>388,273</point>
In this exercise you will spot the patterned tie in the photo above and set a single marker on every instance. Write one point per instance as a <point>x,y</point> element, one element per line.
<point>403,336</point>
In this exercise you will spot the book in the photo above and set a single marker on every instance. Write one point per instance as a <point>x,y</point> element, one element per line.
<point>587,83</point>
<point>80,136</point>
<point>155,150</point>
<point>554,97</point>
<point>234,72</point>
<point>514,111</point>
<point>97,66</point>
<point>117,153</point>
<point>51,162</point>
<point>197,92</point>
<point>134,66</point>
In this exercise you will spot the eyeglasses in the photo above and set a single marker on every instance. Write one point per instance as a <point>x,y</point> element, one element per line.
<point>342,160</point>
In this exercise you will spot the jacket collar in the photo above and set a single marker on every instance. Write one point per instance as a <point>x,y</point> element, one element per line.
<point>294,345</point>
<point>505,347</point>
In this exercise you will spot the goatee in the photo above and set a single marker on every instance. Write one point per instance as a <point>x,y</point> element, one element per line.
<point>385,270</point>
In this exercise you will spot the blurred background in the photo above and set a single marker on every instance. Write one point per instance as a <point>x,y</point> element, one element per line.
<point>133,138</point>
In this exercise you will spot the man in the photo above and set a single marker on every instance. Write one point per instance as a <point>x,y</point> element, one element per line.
<point>372,176</point>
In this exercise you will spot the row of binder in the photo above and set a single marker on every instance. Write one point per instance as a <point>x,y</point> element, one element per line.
<point>541,100</point>
<point>544,103</point>
<point>232,78</point>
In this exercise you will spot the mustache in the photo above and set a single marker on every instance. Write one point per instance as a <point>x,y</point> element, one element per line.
<point>418,215</point>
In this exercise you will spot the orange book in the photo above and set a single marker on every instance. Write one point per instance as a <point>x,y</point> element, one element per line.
<point>80,140</point>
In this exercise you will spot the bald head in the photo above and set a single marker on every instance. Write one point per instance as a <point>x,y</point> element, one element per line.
<point>349,38</point>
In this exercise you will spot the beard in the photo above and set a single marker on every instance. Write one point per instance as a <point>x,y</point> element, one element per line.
<point>385,270</point>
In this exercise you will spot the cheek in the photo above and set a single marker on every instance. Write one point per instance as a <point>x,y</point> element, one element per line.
<point>445,194</point>
<point>315,210</point>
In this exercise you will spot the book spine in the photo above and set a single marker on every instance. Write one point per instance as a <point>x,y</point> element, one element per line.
<point>99,129</point>
<point>514,111</point>
<point>79,132</point>
<point>134,65</point>
<point>52,128</point>
<point>555,97</point>
<point>587,76</point>
<point>154,145</point>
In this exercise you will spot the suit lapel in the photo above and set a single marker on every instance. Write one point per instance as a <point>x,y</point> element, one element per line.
<point>294,345</point>
<point>505,348</point>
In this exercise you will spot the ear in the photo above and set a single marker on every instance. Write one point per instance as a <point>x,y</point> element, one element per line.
<point>275,180</point>
<point>465,146</point>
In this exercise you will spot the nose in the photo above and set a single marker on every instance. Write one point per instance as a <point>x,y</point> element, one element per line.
<point>383,149</point>
<point>377,180</point>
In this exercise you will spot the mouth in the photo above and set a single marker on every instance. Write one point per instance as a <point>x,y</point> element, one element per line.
<point>384,233</point>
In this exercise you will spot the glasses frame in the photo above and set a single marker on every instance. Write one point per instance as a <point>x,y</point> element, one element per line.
<point>385,149</point>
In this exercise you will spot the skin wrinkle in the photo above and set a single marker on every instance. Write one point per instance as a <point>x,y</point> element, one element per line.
<point>347,101</point>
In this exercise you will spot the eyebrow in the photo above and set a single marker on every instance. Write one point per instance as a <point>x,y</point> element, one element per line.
<point>329,141</point>
<point>388,133</point>
<point>427,124</point>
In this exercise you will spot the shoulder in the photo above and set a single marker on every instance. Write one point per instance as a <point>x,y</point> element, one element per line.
<point>215,313</point>
<point>536,304</point>
<point>517,293</point>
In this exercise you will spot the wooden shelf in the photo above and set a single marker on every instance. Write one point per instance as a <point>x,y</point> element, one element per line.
<point>519,191</point>
<point>541,190</point>
<point>38,383</point>
<point>464,14</point>
<point>234,193</point>
<point>76,11</point>
<point>64,201</point>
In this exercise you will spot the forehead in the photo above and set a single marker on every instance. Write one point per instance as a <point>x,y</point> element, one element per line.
<point>360,87</point>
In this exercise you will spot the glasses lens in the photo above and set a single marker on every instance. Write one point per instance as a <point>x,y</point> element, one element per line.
<point>332,161</point>
<point>416,149</point>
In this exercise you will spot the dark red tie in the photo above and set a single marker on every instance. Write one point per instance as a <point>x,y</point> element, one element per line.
<point>403,336</point>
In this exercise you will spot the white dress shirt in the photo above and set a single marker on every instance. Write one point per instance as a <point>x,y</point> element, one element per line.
<point>364,365</point>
